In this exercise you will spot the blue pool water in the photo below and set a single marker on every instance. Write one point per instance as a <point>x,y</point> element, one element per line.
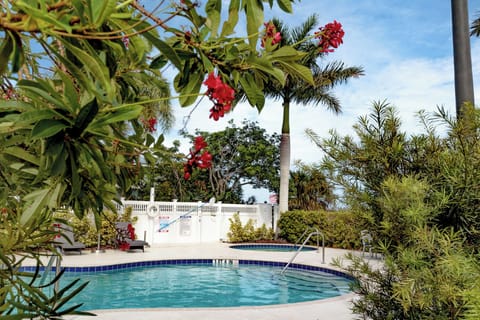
<point>223,283</point>
<point>271,247</point>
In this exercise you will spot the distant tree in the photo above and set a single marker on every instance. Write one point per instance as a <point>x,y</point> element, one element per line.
<point>245,155</point>
<point>309,188</point>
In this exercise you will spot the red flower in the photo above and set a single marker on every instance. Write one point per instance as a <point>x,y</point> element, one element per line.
<point>124,246</point>
<point>198,158</point>
<point>221,94</point>
<point>150,124</point>
<point>271,33</point>
<point>199,143</point>
<point>126,41</point>
<point>131,231</point>
<point>330,36</point>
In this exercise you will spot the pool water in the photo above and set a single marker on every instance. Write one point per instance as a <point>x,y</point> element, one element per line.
<point>271,247</point>
<point>203,285</point>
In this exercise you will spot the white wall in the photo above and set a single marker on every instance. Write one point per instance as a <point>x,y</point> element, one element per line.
<point>189,222</point>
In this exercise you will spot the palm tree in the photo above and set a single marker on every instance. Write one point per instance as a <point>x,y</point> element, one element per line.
<point>461,54</point>
<point>299,91</point>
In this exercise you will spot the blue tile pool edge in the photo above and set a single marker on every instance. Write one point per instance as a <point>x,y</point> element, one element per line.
<point>270,246</point>
<point>122,266</point>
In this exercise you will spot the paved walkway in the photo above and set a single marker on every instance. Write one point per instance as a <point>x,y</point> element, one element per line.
<point>337,308</point>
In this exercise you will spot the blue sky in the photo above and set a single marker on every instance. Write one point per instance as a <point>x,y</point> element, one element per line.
<point>406,50</point>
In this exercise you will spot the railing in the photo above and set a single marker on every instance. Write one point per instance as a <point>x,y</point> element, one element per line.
<point>303,245</point>
<point>48,269</point>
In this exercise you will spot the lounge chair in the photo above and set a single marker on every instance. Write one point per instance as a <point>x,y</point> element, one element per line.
<point>126,237</point>
<point>65,239</point>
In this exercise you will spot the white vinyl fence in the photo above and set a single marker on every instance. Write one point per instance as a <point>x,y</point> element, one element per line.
<point>190,222</point>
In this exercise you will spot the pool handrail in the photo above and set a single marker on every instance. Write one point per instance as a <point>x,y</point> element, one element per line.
<point>304,233</point>
<point>301,247</point>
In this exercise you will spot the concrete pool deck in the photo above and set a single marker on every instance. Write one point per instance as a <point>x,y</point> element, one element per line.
<point>337,308</point>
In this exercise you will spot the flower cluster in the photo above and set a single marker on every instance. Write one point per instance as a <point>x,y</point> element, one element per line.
<point>221,94</point>
<point>330,36</point>
<point>126,41</point>
<point>131,231</point>
<point>198,158</point>
<point>123,235</point>
<point>150,124</point>
<point>271,34</point>
<point>8,93</point>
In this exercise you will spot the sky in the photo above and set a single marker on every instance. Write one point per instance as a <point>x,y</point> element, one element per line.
<point>405,48</point>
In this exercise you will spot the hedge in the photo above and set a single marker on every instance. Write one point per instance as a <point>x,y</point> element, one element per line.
<point>340,228</point>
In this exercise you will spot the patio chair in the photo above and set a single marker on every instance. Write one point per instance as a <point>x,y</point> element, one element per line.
<point>65,239</point>
<point>367,242</point>
<point>126,237</point>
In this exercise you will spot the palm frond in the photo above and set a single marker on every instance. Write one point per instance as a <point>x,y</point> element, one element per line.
<point>475,27</point>
<point>335,73</point>
<point>302,32</point>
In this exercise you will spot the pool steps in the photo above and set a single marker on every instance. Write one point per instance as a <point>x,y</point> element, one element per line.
<point>225,262</point>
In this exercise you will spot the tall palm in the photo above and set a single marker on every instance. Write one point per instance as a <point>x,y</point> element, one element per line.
<point>298,91</point>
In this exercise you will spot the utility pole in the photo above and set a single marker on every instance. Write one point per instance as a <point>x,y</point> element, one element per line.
<point>462,59</point>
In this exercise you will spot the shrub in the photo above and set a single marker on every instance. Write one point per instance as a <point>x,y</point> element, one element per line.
<point>247,233</point>
<point>341,229</point>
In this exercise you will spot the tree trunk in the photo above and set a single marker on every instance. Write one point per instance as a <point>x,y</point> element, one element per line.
<point>284,159</point>
<point>461,55</point>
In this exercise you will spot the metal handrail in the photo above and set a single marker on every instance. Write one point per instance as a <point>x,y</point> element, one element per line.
<point>304,233</point>
<point>301,247</point>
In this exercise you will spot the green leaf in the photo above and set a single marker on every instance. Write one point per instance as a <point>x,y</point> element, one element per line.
<point>267,67</point>
<point>119,114</point>
<point>18,56</point>
<point>298,71</point>
<point>255,17</point>
<point>47,128</point>
<point>43,16</point>
<point>21,153</point>
<point>285,52</point>
<point>77,73</point>
<point>158,62</point>
<point>254,95</point>
<point>84,118</point>
<point>69,92</point>
<point>213,9</point>
<point>5,52</point>
<point>101,10</point>
<point>285,5</point>
<point>76,182</point>
<point>35,89</point>
<point>189,93</point>
<point>92,63</point>
<point>7,127</point>
<point>165,49</point>
<point>59,167</point>
<point>40,199</point>
<point>231,22</point>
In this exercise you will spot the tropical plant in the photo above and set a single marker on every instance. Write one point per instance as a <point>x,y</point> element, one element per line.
<point>309,188</point>
<point>247,233</point>
<point>427,272</point>
<point>296,90</point>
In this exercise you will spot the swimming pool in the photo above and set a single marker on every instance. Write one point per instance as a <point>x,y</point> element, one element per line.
<point>203,283</point>
<point>271,247</point>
